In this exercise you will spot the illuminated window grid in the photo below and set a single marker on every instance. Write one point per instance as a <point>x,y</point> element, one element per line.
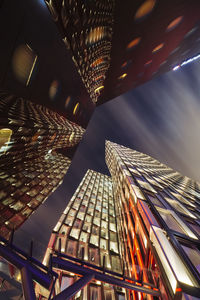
<point>91,33</point>
<point>96,218</point>
<point>116,157</point>
<point>26,186</point>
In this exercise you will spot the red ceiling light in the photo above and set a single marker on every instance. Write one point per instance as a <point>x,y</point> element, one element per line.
<point>172,25</point>
<point>148,63</point>
<point>145,9</point>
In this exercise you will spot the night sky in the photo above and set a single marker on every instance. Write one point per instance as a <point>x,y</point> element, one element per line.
<point>159,118</point>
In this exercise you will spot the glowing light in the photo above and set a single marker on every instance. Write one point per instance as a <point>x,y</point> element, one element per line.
<point>5,136</point>
<point>122,76</point>
<point>174,23</point>
<point>145,9</point>
<point>148,62</point>
<point>97,62</point>
<point>71,137</point>
<point>172,263</point>
<point>185,62</point>
<point>76,108</point>
<point>133,43</point>
<point>157,48</point>
<point>53,90</point>
<point>95,35</point>
<point>99,88</point>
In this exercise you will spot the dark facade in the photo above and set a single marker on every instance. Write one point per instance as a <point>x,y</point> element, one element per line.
<point>31,166</point>
<point>87,29</point>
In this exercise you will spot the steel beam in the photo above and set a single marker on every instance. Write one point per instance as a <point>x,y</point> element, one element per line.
<point>70,291</point>
<point>83,270</point>
<point>27,284</point>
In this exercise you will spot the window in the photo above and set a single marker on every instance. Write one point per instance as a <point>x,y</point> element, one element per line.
<point>175,223</point>
<point>103,244</point>
<point>194,256</point>
<point>94,240</point>
<point>75,233</point>
<point>114,247</point>
<point>115,262</point>
<point>84,237</point>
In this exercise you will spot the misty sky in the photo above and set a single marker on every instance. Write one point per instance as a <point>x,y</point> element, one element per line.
<point>160,118</point>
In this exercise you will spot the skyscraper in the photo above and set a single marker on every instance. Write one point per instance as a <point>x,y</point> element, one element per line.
<point>31,166</point>
<point>87,29</point>
<point>142,223</point>
<point>159,221</point>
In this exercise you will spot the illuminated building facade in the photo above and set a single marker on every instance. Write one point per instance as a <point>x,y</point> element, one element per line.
<point>159,222</point>
<point>88,231</point>
<point>31,167</point>
<point>87,28</point>
<point>144,221</point>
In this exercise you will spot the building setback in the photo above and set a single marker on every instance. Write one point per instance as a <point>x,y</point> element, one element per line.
<point>31,167</point>
<point>143,223</point>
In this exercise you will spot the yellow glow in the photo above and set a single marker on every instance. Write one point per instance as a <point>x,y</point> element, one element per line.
<point>99,88</point>
<point>133,43</point>
<point>122,76</point>
<point>71,137</point>
<point>157,48</point>
<point>174,23</point>
<point>19,277</point>
<point>145,9</point>
<point>95,35</point>
<point>5,136</point>
<point>30,74</point>
<point>76,108</point>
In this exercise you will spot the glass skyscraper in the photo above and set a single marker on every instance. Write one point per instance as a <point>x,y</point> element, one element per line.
<point>142,222</point>
<point>31,167</point>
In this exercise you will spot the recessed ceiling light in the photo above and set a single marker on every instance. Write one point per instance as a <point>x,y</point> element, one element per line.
<point>145,9</point>
<point>157,48</point>
<point>99,88</point>
<point>172,25</point>
<point>76,107</point>
<point>133,43</point>
<point>122,76</point>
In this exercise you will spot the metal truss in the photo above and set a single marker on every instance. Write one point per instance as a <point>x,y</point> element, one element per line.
<point>34,271</point>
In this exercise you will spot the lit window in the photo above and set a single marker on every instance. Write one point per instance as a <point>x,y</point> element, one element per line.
<point>94,239</point>
<point>75,233</point>
<point>194,256</point>
<point>175,223</point>
<point>5,136</point>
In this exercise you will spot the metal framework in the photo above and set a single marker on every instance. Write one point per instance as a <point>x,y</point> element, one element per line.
<point>34,271</point>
